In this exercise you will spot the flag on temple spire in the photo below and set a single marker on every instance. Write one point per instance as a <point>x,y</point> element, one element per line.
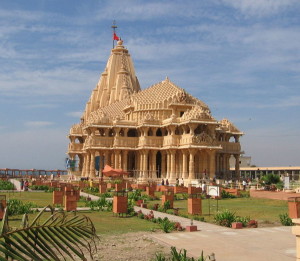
<point>115,37</point>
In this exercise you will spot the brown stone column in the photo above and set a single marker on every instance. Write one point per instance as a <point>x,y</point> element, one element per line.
<point>125,159</point>
<point>92,165</point>
<point>153,164</point>
<point>191,164</point>
<point>117,159</point>
<point>212,164</point>
<point>163,164</point>
<point>237,166</point>
<point>88,158</point>
<point>106,160</point>
<point>184,164</point>
<point>172,159</point>
<point>145,164</point>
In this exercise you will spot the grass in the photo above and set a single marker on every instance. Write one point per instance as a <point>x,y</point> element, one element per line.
<point>41,199</point>
<point>263,210</point>
<point>104,222</point>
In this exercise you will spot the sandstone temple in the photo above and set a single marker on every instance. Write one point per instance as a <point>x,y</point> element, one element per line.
<point>159,132</point>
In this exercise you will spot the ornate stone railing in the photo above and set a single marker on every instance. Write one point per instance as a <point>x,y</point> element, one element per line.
<point>75,146</point>
<point>171,140</point>
<point>128,142</point>
<point>150,141</point>
<point>230,147</point>
<point>99,142</point>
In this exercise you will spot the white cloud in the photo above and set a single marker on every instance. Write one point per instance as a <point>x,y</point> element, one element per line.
<point>37,149</point>
<point>75,114</point>
<point>38,123</point>
<point>260,7</point>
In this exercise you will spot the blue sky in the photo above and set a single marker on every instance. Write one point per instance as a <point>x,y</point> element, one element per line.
<point>241,57</point>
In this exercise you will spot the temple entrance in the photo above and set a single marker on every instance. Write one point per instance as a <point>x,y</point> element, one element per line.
<point>158,164</point>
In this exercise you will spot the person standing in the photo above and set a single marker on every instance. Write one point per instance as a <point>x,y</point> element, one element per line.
<point>167,182</point>
<point>22,184</point>
<point>162,182</point>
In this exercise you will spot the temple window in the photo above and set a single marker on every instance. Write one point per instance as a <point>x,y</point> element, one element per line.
<point>159,132</point>
<point>132,133</point>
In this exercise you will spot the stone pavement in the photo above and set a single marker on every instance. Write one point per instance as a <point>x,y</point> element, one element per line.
<point>280,195</point>
<point>259,244</point>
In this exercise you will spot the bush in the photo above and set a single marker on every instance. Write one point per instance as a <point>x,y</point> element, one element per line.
<point>135,195</point>
<point>6,185</point>
<point>285,220</point>
<point>243,220</point>
<point>225,218</point>
<point>100,205</point>
<point>17,207</point>
<point>167,205</point>
<point>197,218</point>
<point>178,256</point>
<point>225,194</point>
<point>270,179</point>
<point>39,187</point>
<point>166,225</point>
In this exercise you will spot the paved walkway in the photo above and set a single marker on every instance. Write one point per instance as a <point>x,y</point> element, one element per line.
<point>259,244</point>
<point>273,194</point>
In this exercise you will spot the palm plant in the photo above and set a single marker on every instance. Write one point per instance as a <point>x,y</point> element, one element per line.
<point>57,237</point>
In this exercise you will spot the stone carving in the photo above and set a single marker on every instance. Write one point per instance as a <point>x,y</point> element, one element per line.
<point>228,126</point>
<point>149,117</point>
<point>203,137</point>
<point>197,113</point>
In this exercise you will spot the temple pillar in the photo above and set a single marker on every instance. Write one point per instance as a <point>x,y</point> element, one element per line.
<point>145,164</point>
<point>92,165</point>
<point>184,164</point>
<point>237,166</point>
<point>168,165</point>
<point>172,163</point>
<point>212,164</point>
<point>163,164</point>
<point>153,164</point>
<point>191,164</point>
<point>117,159</point>
<point>88,157</point>
<point>106,160</point>
<point>125,159</point>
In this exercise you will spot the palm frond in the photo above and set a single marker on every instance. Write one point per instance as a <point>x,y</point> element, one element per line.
<point>59,236</point>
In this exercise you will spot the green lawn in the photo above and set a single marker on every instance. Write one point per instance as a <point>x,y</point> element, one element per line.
<point>262,210</point>
<point>41,199</point>
<point>104,222</point>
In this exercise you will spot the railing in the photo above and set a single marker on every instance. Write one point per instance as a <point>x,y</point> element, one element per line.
<point>171,141</point>
<point>130,142</point>
<point>75,146</point>
<point>230,147</point>
<point>99,142</point>
<point>151,141</point>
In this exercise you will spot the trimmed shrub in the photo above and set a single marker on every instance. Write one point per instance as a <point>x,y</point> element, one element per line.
<point>285,220</point>
<point>6,185</point>
<point>225,218</point>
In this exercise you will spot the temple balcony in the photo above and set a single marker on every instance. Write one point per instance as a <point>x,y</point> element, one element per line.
<point>150,141</point>
<point>99,141</point>
<point>127,142</point>
<point>230,147</point>
<point>171,140</point>
<point>75,147</point>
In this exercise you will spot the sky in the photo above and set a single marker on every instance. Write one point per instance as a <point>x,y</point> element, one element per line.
<point>241,57</point>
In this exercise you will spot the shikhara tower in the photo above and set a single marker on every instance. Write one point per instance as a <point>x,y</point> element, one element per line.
<point>159,132</point>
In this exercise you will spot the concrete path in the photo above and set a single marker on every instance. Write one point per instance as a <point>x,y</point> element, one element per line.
<point>93,198</point>
<point>259,244</point>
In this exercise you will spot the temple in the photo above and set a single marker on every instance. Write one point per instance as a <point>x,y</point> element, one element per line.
<point>159,132</point>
